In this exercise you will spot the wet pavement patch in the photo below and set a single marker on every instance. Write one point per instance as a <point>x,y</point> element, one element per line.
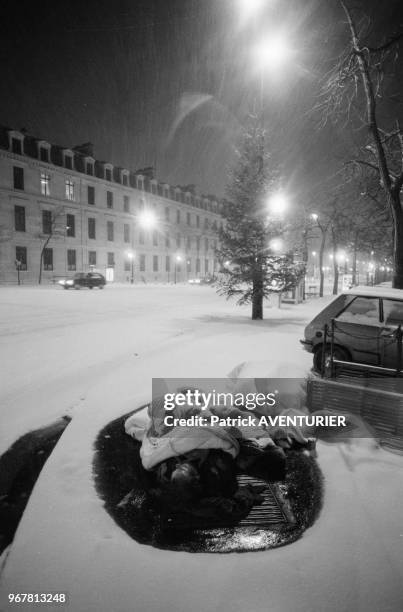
<point>284,511</point>
<point>20,467</point>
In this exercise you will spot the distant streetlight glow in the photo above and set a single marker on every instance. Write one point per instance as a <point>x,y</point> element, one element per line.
<point>314,216</point>
<point>340,257</point>
<point>277,204</point>
<point>147,219</point>
<point>130,256</point>
<point>276,245</point>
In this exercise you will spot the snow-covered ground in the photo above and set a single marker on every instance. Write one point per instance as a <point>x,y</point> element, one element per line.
<point>92,355</point>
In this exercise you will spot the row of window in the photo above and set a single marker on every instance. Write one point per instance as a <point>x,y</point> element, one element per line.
<point>154,187</point>
<point>70,194</point>
<point>50,221</point>
<point>69,188</point>
<point>21,261</point>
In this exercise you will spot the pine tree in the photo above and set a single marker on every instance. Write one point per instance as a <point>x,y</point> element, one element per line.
<point>250,270</point>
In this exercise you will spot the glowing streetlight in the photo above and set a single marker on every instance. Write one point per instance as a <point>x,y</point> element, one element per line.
<point>277,204</point>
<point>147,219</point>
<point>130,256</point>
<point>314,216</point>
<point>250,8</point>
<point>276,245</point>
<point>178,259</point>
<point>272,52</point>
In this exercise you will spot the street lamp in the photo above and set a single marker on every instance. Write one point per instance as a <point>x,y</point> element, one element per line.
<point>272,52</point>
<point>178,259</point>
<point>249,8</point>
<point>147,219</point>
<point>130,256</point>
<point>277,204</point>
<point>276,245</point>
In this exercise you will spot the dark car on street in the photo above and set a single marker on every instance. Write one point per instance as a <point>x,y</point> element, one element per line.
<point>84,279</point>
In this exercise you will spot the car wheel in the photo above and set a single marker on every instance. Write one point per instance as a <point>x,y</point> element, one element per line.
<point>91,287</point>
<point>338,353</point>
<point>101,286</point>
<point>65,287</point>
<point>77,287</point>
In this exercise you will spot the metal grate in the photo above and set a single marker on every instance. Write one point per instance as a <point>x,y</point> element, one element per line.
<point>273,512</point>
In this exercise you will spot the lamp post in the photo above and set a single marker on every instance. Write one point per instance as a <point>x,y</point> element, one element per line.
<point>130,256</point>
<point>178,259</point>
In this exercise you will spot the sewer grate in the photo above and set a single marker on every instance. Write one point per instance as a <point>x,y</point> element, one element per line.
<point>273,512</point>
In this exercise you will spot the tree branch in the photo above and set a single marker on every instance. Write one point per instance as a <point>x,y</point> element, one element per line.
<point>386,45</point>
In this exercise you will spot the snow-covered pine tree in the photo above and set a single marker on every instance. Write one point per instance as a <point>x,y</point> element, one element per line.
<point>250,270</point>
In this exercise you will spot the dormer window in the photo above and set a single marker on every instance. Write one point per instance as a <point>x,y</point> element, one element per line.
<point>89,165</point>
<point>108,171</point>
<point>140,181</point>
<point>44,151</point>
<point>125,177</point>
<point>68,159</point>
<point>153,184</point>
<point>16,142</point>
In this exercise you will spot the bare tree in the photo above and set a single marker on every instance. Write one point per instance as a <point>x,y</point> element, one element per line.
<point>54,229</point>
<point>358,83</point>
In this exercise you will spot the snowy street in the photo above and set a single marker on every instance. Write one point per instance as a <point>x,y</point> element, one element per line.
<point>92,355</point>
<point>57,346</point>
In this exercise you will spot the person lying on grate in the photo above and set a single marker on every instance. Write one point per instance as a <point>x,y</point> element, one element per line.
<point>198,464</point>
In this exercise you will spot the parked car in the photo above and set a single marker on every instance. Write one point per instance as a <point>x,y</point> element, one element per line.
<point>206,280</point>
<point>366,320</point>
<point>84,279</point>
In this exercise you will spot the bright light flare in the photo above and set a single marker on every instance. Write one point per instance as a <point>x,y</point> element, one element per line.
<point>276,245</point>
<point>314,216</point>
<point>277,204</point>
<point>147,219</point>
<point>250,8</point>
<point>130,254</point>
<point>272,52</point>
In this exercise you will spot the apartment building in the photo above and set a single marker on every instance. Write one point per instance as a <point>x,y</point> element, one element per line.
<point>63,211</point>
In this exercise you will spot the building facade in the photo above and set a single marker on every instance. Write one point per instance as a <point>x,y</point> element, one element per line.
<point>63,211</point>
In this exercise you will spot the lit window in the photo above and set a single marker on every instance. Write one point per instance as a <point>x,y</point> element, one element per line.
<point>45,184</point>
<point>69,189</point>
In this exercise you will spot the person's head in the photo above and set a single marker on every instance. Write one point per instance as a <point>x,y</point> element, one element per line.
<point>185,481</point>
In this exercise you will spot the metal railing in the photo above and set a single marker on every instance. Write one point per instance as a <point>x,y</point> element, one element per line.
<point>330,365</point>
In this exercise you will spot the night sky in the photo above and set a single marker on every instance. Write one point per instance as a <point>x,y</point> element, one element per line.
<point>169,82</point>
